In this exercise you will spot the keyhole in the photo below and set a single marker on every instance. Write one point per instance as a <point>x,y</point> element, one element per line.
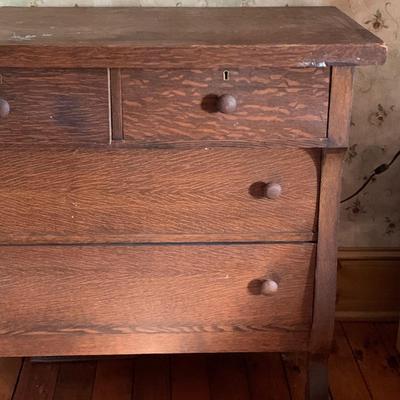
<point>226,75</point>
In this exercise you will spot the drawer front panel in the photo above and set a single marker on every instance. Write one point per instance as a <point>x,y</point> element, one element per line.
<point>54,106</point>
<point>146,299</point>
<point>138,195</point>
<point>273,105</point>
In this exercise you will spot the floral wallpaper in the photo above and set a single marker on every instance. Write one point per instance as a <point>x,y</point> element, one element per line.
<point>373,217</point>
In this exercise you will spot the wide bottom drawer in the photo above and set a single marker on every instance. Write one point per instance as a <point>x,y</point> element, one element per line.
<point>64,300</point>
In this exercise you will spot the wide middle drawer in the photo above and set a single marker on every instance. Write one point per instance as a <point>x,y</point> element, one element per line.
<point>107,195</point>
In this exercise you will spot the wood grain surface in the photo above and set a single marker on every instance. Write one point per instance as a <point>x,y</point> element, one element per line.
<point>78,272</point>
<point>9,374</point>
<point>326,271</point>
<point>37,382</point>
<point>228,377</point>
<point>102,195</point>
<point>266,382</point>
<point>114,380</point>
<point>181,105</point>
<point>372,269</point>
<point>49,106</point>
<point>329,202</point>
<point>116,104</point>
<point>343,370</point>
<point>325,276</point>
<point>189,377</point>
<point>184,37</point>
<point>152,378</point>
<point>62,300</point>
<point>377,364</point>
<point>75,381</point>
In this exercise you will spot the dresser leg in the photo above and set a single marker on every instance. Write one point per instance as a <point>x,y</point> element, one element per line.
<point>317,382</point>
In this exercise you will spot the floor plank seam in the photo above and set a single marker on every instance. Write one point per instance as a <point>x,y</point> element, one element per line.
<point>356,361</point>
<point>133,379</point>
<point>388,350</point>
<point>93,380</point>
<point>286,376</point>
<point>247,375</point>
<point>18,379</point>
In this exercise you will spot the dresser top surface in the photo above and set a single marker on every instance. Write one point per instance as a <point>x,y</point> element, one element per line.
<point>308,31</point>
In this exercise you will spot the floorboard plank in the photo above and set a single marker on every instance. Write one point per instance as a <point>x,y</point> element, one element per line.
<point>364,365</point>
<point>228,377</point>
<point>388,333</point>
<point>373,359</point>
<point>9,372</point>
<point>296,373</point>
<point>152,378</point>
<point>189,379</point>
<point>37,381</point>
<point>345,378</point>
<point>114,379</point>
<point>75,381</point>
<point>267,378</point>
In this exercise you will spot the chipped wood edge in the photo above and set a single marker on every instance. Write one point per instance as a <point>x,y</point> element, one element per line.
<point>191,56</point>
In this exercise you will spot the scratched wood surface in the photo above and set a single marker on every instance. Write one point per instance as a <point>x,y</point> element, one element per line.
<point>50,106</point>
<point>154,298</point>
<point>137,195</point>
<point>181,105</point>
<point>189,37</point>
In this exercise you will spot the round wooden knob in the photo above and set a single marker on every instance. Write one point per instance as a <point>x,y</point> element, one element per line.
<point>227,104</point>
<point>273,190</point>
<point>4,108</point>
<point>269,287</point>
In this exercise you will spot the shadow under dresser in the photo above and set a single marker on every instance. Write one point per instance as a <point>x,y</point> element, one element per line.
<point>170,179</point>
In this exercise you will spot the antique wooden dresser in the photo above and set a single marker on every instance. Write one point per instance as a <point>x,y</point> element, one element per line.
<point>169,178</point>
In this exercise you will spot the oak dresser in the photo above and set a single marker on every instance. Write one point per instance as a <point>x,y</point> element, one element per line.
<point>170,179</point>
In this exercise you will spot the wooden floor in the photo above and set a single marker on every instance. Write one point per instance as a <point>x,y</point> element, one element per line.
<point>364,365</point>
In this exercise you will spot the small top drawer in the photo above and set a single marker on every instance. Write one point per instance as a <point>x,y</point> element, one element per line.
<point>272,105</point>
<point>53,106</point>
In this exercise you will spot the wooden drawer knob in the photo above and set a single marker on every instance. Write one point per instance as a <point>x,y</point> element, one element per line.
<point>4,108</point>
<point>273,190</point>
<point>269,287</point>
<point>226,104</point>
